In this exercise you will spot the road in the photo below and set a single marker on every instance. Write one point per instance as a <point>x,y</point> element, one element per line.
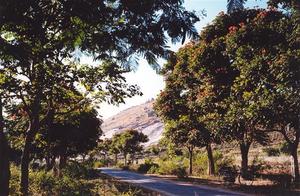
<point>166,187</point>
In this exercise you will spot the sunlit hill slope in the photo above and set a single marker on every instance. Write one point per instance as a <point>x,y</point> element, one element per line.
<point>141,117</point>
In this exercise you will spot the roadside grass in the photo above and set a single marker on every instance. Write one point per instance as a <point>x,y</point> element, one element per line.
<point>272,177</point>
<point>76,179</point>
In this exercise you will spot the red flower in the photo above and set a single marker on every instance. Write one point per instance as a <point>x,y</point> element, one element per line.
<point>232,29</point>
<point>262,14</point>
<point>272,8</point>
<point>242,24</point>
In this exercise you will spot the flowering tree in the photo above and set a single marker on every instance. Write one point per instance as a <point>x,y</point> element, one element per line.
<point>240,80</point>
<point>265,51</point>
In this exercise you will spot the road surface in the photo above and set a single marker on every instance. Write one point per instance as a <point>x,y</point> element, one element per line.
<point>166,187</point>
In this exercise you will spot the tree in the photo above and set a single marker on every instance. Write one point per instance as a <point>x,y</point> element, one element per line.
<point>234,5</point>
<point>224,78</point>
<point>226,111</point>
<point>67,135</point>
<point>241,122</point>
<point>181,125</point>
<point>289,4</point>
<point>185,134</point>
<point>113,149</point>
<point>103,149</point>
<point>249,35</point>
<point>70,136</point>
<point>40,41</point>
<point>266,52</point>
<point>177,109</point>
<point>129,142</point>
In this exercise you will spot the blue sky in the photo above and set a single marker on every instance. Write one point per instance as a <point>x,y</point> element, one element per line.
<point>151,83</point>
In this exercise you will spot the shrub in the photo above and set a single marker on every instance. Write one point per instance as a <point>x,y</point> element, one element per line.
<point>77,170</point>
<point>125,167</point>
<point>224,162</point>
<point>43,182</point>
<point>200,164</point>
<point>102,163</point>
<point>256,167</point>
<point>122,166</point>
<point>272,151</point>
<point>166,167</point>
<point>229,173</point>
<point>145,167</point>
<point>14,185</point>
<point>70,186</point>
<point>98,164</point>
<point>178,152</point>
<point>153,169</point>
<point>285,149</point>
<point>180,172</point>
<point>174,166</point>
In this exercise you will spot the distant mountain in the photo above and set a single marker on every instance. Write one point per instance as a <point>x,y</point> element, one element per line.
<point>141,117</point>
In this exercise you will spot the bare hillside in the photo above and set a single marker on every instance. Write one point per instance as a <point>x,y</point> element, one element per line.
<point>141,117</point>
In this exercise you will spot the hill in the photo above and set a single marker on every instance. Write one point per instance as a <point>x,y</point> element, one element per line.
<point>141,117</point>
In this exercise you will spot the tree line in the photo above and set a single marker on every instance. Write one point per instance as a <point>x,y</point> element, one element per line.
<point>237,83</point>
<point>128,142</point>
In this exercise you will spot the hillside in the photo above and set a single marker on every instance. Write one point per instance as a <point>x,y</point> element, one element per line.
<point>141,117</point>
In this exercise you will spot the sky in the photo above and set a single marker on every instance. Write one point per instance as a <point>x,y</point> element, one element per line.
<point>146,78</point>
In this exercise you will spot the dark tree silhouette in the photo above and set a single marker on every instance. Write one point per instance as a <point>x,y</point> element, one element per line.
<point>4,156</point>
<point>233,5</point>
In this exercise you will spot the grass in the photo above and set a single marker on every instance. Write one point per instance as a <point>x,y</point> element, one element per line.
<point>77,179</point>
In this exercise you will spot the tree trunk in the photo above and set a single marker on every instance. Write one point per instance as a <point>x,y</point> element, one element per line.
<point>83,157</point>
<point>132,158</point>
<point>24,182</point>
<point>61,164</point>
<point>4,158</point>
<point>190,160</point>
<point>211,163</point>
<point>33,128</point>
<point>25,159</point>
<point>125,159</point>
<point>106,158</point>
<point>116,158</point>
<point>50,161</point>
<point>244,147</point>
<point>295,171</point>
